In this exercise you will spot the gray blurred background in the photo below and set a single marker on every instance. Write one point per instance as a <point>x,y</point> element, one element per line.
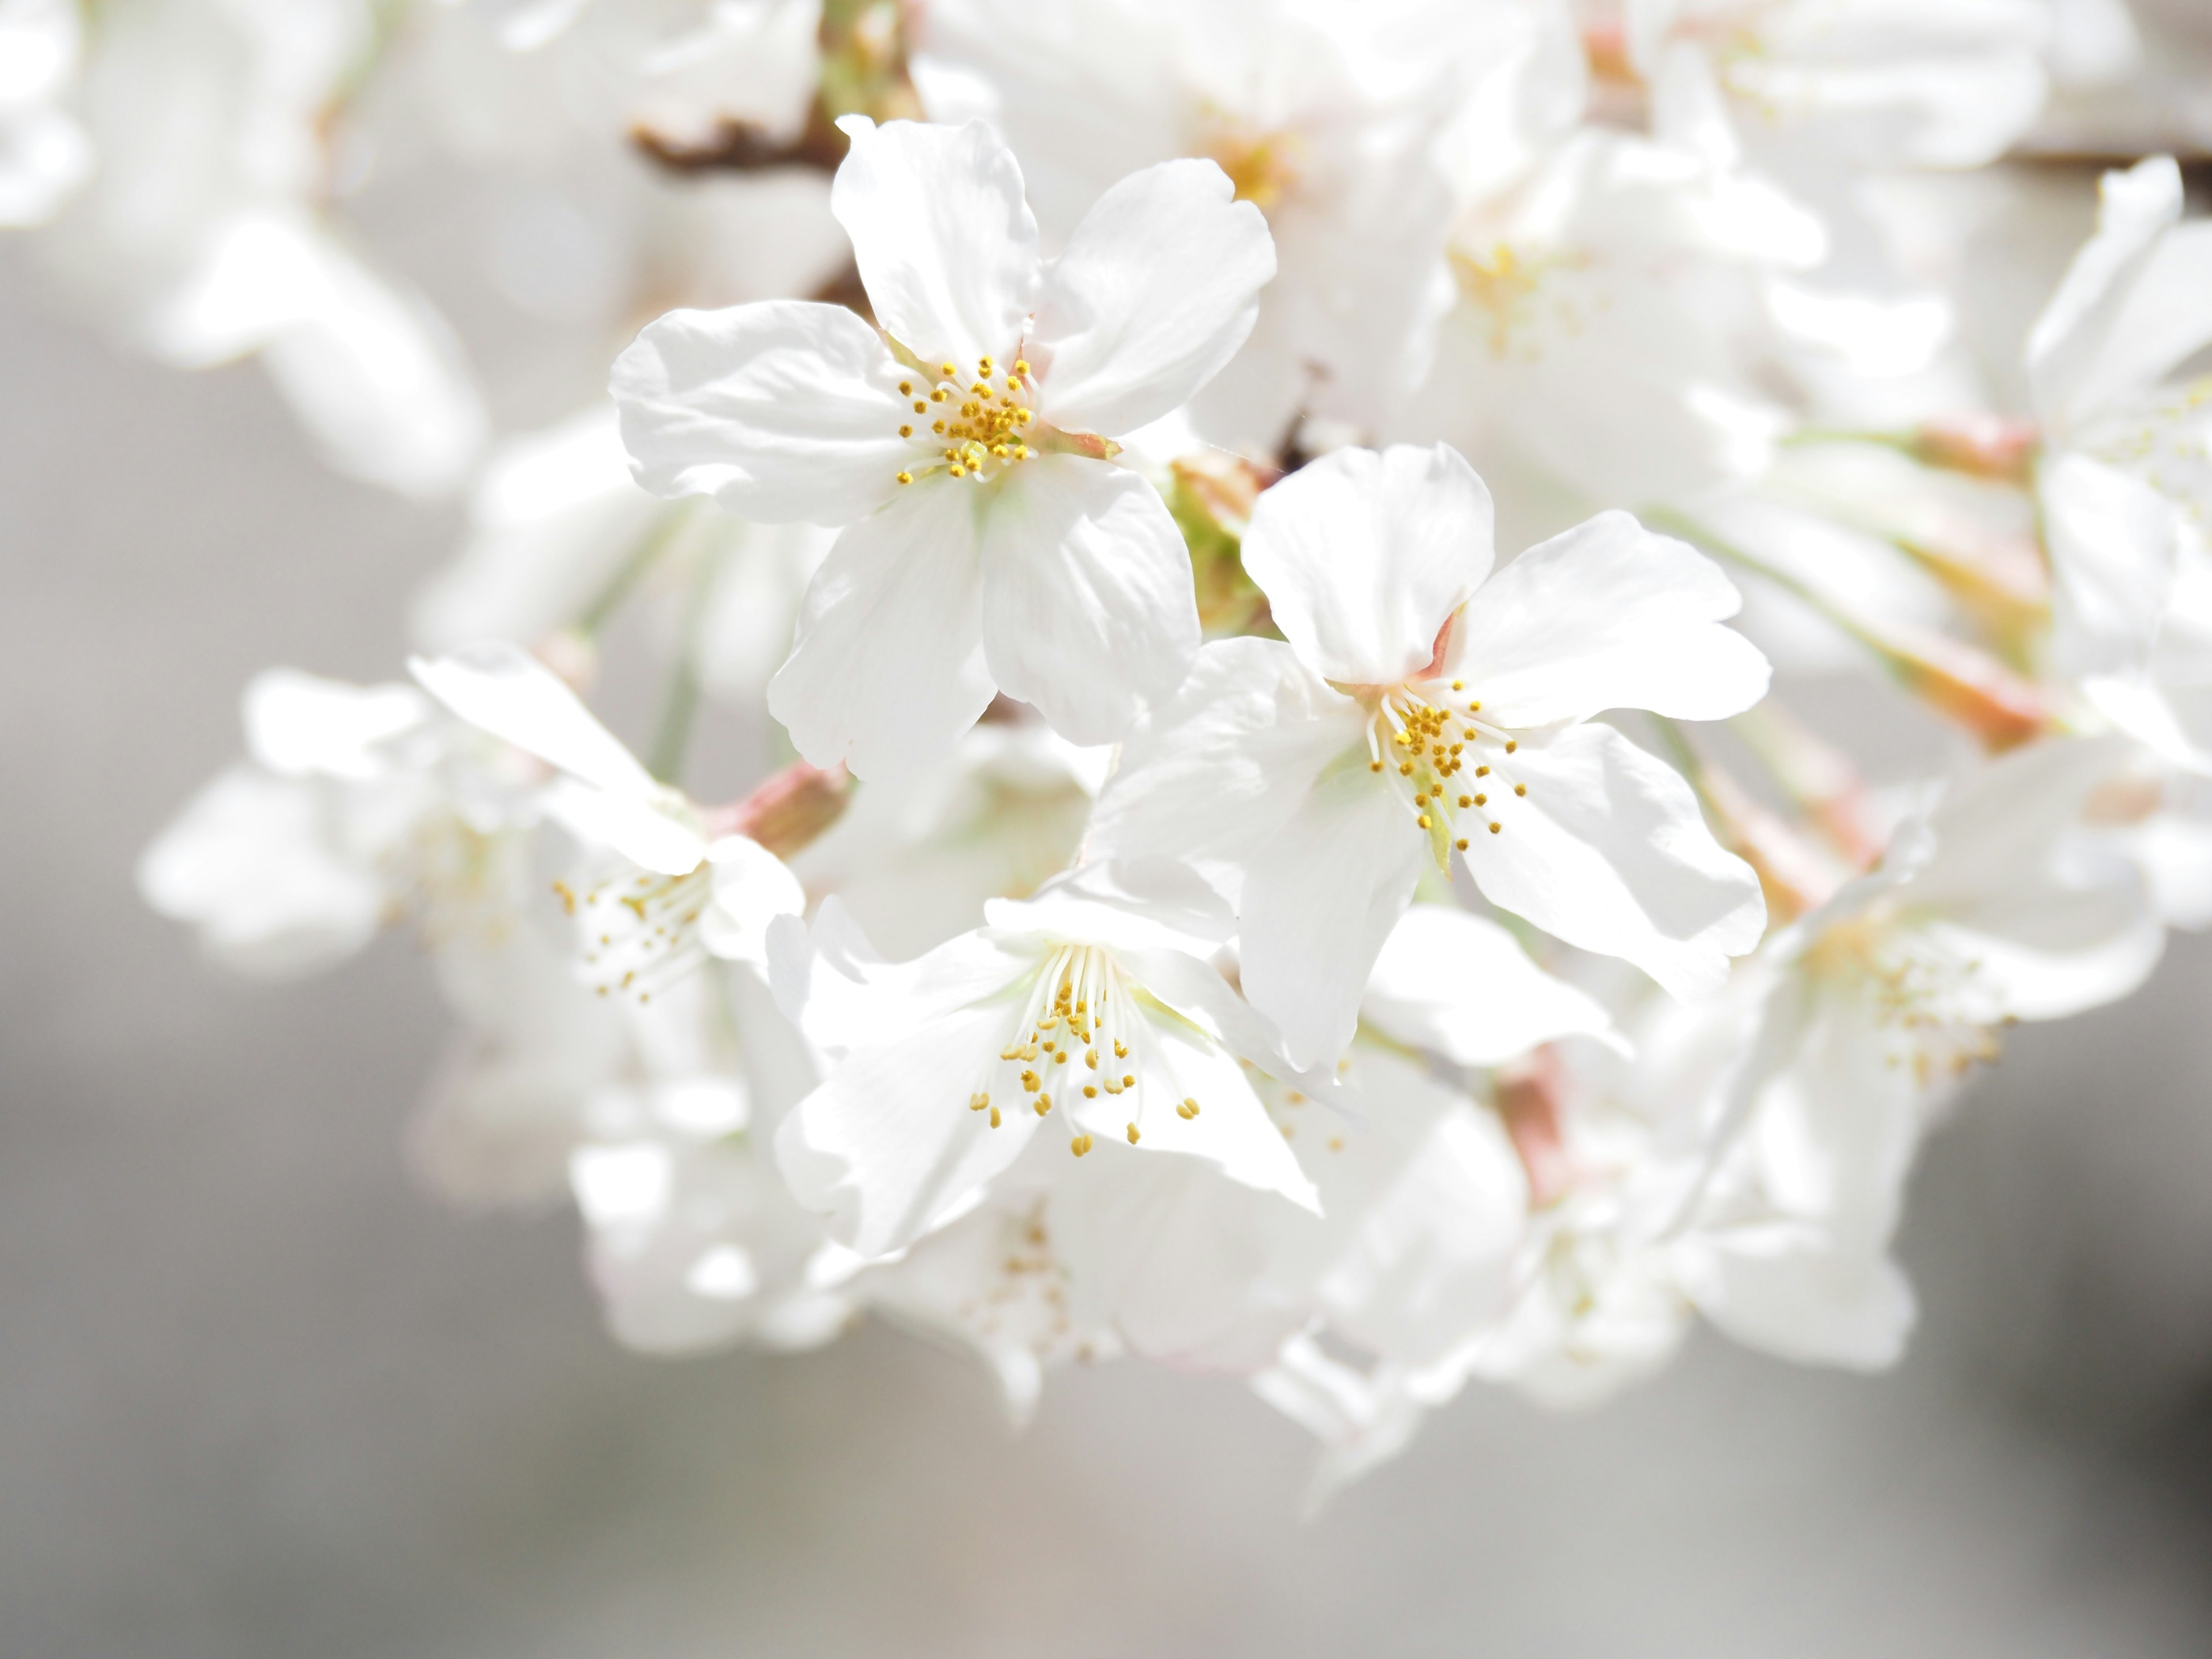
<point>259,1399</point>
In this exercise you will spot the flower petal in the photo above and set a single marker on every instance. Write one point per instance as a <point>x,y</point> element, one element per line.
<point>781,411</point>
<point>887,670</point>
<point>503,690</point>
<point>887,1146</point>
<point>1208,775</point>
<point>946,247</point>
<point>1365,556</point>
<point>752,888</point>
<point>1605,616</point>
<point>1459,985</point>
<point>1321,897</point>
<point>1088,613</point>
<point>2114,544</point>
<point>1609,852</point>
<point>1158,288</point>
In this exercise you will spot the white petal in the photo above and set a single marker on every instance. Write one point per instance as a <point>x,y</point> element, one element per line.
<point>503,690</point>
<point>752,888</point>
<point>783,410</point>
<point>2132,304</point>
<point>252,862</point>
<point>1609,852</point>
<point>634,826</point>
<point>302,726</point>
<point>887,670</point>
<point>946,247</point>
<point>1459,985</point>
<point>887,1146</point>
<point>1088,613</point>
<point>1232,1130</point>
<point>1787,1289</point>
<point>1321,897</point>
<point>1606,616</point>
<point>2112,542</point>
<point>1159,287</point>
<point>1364,557</point>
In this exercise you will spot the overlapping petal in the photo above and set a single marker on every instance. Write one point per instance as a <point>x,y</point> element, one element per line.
<point>1364,557</point>
<point>781,411</point>
<point>887,670</point>
<point>1605,616</point>
<point>943,234</point>
<point>1609,851</point>
<point>1157,288</point>
<point>1088,613</point>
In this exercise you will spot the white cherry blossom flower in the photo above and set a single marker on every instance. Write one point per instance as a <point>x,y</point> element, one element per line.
<point>990,545</point>
<point>1090,1006</point>
<point>666,892</point>
<point>1425,705</point>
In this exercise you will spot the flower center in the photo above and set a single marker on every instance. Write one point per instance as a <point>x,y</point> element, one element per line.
<point>1505,283</point>
<point>1448,760</point>
<point>972,429</point>
<point>1933,1006</point>
<point>1076,1033</point>
<point>640,933</point>
<point>1259,165</point>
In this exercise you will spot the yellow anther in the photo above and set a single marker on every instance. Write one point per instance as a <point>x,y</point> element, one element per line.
<point>1461,843</point>
<point>1090,1058</point>
<point>994,1117</point>
<point>1120,1053</point>
<point>1482,771</point>
<point>1193,1105</point>
<point>1480,800</point>
<point>1423,820</point>
<point>1475,708</point>
<point>957,470</point>
<point>1128,1080</point>
<point>1021,366</point>
<point>1079,1145</point>
<point>1043,1104</point>
<point>1089,1092</point>
<point>906,388</point>
<point>1510,745</point>
<point>949,370</point>
<point>1405,768</point>
<point>919,407</point>
<point>983,365</point>
<point>1059,1057</point>
<point>1495,828</point>
<point>1459,685</point>
<point>1132,1135</point>
<point>977,1102</point>
<point>1467,801</point>
<point>906,432</point>
<point>939,396</point>
<point>906,477</point>
<point>1520,788</point>
<point>1375,765</point>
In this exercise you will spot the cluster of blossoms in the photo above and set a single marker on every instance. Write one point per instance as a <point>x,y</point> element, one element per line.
<point>1233,557</point>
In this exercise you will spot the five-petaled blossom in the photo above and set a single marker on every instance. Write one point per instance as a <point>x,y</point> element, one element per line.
<point>1424,705</point>
<point>966,443</point>
<point>1092,1005</point>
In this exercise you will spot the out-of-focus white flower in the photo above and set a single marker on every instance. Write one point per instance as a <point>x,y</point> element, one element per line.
<point>44,152</point>
<point>360,806</point>
<point>2125,481</point>
<point>991,545</point>
<point>204,232</point>
<point>1873,82</point>
<point>1607,330</point>
<point>1090,1000</point>
<point>1425,704</point>
<point>670,892</point>
<point>1331,121</point>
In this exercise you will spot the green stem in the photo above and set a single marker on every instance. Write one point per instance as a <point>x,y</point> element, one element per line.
<point>658,537</point>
